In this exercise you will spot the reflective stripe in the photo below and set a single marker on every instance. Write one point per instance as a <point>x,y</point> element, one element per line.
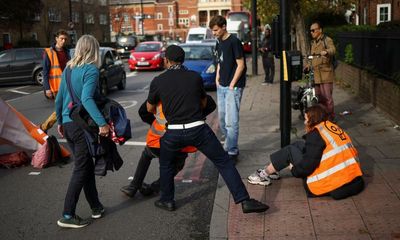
<point>331,171</point>
<point>328,136</point>
<point>55,67</point>
<point>54,76</point>
<point>156,131</point>
<point>336,150</point>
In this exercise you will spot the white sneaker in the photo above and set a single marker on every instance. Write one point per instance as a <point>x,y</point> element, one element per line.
<point>256,179</point>
<point>274,176</point>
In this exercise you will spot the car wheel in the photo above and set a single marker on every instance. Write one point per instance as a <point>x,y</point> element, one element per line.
<point>103,87</point>
<point>38,77</point>
<point>122,84</point>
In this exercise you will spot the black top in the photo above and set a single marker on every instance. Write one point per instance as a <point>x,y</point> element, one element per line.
<point>180,92</point>
<point>228,51</point>
<point>312,154</point>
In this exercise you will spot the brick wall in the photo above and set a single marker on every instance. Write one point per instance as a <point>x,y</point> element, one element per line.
<point>381,93</point>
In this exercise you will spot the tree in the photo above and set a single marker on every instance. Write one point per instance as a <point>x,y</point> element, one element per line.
<point>302,13</point>
<point>20,13</point>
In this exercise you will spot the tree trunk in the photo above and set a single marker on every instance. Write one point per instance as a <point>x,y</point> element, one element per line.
<point>302,42</point>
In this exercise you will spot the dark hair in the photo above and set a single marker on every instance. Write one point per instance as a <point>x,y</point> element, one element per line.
<point>61,32</point>
<point>218,20</point>
<point>316,114</point>
<point>318,23</point>
<point>175,54</point>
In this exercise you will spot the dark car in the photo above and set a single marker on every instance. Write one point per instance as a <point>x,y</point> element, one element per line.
<point>21,66</point>
<point>112,70</point>
<point>125,44</point>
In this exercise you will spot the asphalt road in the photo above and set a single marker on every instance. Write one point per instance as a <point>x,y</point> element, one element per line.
<point>30,204</point>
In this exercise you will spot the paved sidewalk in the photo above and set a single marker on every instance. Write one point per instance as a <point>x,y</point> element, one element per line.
<point>373,214</point>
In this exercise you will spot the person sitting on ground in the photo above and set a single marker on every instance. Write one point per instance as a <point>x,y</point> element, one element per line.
<point>327,160</point>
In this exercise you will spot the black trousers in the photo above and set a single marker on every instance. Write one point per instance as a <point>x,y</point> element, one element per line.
<point>269,69</point>
<point>293,154</point>
<point>83,172</point>
<point>148,154</point>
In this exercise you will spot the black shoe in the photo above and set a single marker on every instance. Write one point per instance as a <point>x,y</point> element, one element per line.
<point>169,206</point>
<point>155,186</point>
<point>146,190</point>
<point>233,158</point>
<point>251,205</point>
<point>129,190</point>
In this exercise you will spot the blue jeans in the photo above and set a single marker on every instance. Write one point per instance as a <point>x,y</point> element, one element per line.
<point>228,113</point>
<point>204,139</point>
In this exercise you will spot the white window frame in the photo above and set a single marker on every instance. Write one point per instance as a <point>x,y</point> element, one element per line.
<point>89,18</point>
<point>54,15</point>
<point>75,17</point>
<point>378,12</point>
<point>103,2</point>
<point>160,27</point>
<point>170,8</point>
<point>159,15</point>
<point>102,19</point>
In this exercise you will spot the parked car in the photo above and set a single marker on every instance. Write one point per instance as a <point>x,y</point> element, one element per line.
<point>125,44</point>
<point>147,55</point>
<point>21,66</point>
<point>200,57</point>
<point>112,70</point>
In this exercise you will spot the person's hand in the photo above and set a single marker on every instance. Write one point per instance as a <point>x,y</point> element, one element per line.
<point>306,69</point>
<point>231,87</point>
<point>104,130</point>
<point>49,94</point>
<point>60,130</point>
<point>290,166</point>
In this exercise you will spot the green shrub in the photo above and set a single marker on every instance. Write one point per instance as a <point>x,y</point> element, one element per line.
<point>392,25</point>
<point>348,54</point>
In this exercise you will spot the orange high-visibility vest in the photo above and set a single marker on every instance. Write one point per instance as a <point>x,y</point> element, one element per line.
<point>55,71</point>
<point>157,130</point>
<point>339,163</point>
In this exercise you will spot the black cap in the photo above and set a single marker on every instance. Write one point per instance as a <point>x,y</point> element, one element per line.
<point>175,53</point>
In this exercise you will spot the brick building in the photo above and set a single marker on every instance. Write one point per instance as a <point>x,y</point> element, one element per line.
<point>166,18</point>
<point>88,17</point>
<point>373,12</point>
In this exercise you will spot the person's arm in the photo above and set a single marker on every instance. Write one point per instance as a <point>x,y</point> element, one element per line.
<point>90,83</point>
<point>238,72</point>
<point>217,76</point>
<point>46,70</point>
<point>330,47</point>
<point>153,97</point>
<point>314,148</point>
<point>151,107</point>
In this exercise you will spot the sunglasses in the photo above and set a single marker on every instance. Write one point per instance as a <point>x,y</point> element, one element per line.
<point>313,30</point>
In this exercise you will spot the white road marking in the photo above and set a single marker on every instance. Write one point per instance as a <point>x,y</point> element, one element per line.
<point>140,90</point>
<point>128,104</point>
<point>131,74</point>
<point>16,91</point>
<point>34,173</point>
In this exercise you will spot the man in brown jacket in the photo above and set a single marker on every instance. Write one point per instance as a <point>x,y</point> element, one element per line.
<point>324,75</point>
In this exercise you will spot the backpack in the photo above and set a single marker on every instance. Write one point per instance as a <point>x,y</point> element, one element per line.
<point>334,61</point>
<point>47,154</point>
<point>15,159</point>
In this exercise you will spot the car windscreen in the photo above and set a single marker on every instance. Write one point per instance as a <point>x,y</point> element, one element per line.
<point>5,56</point>
<point>198,52</point>
<point>196,37</point>
<point>126,41</point>
<point>148,47</point>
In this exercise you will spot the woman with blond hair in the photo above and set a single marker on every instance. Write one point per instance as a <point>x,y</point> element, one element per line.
<point>327,160</point>
<point>84,74</point>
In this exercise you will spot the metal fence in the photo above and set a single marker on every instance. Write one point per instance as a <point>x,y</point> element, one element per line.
<point>375,51</point>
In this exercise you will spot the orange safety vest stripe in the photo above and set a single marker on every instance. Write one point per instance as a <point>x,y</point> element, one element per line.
<point>55,71</point>
<point>157,130</point>
<point>338,164</point>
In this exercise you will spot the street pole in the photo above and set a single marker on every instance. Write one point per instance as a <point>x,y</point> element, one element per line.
<point>285,111</point>
<point>254,37</point>
<point>141,17</point>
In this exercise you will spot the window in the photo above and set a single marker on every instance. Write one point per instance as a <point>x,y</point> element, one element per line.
<point>5,56</point>
<point>34,36</point>
<point>159,15</point>
<point>89,19</point>
<point>103,2</point>
<point>183,12</point>
<point>54,15</point>
<point>184,21</point>
<point>24,54</point>
<point>383,13</point>
<point>170,22</point>
<point>75,17</point>
<point>36,17</point>
<point>103,19</point>
<point>126,17</point>
<point>159,27</point>
<point>170,9</point>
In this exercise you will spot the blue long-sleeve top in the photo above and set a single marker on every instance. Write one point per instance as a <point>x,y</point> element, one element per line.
<point>84,81</point>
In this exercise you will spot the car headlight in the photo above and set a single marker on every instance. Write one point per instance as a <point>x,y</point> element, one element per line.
<point>132,57</point>
<point>157,56</point>
<point>211,69</point>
